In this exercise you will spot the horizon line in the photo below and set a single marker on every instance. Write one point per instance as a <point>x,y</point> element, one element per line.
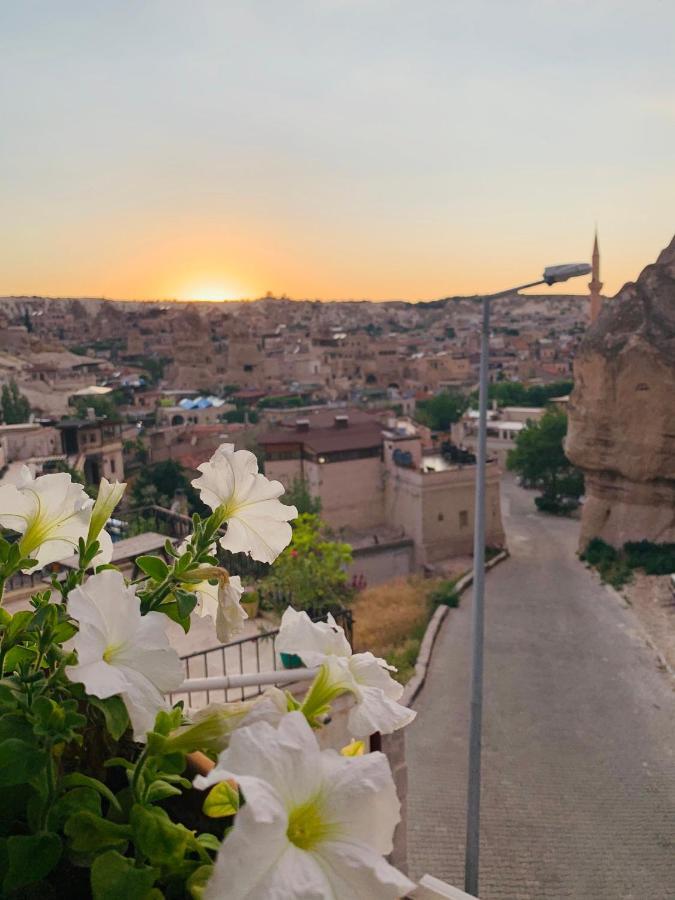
<point>283,298</point>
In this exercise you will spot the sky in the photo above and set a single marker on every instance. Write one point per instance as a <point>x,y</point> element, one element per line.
<point>381,149</point>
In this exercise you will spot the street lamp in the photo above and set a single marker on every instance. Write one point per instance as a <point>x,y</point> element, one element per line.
<point>552,275</point>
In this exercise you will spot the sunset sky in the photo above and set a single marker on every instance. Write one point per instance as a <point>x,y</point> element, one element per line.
<point>331,148</point>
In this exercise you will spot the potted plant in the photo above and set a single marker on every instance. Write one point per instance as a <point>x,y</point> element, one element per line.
<point>250,602</point>
<point>108,790</point>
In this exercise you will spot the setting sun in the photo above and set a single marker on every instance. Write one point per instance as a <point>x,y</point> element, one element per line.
<point>211,291</point>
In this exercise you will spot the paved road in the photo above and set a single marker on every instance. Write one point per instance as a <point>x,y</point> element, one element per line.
<point>579,735</point>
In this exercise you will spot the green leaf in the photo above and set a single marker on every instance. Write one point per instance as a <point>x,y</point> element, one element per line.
<point>77,779</point>
<point>170,610</point>
<point>114,877</point>
<point>160,790</point>
<point>153,566</point>
<point>155,835</point>
<point>186,602</point>
<point>119,761</point>
<point>57,721</point>
<point>30,858</point>
<point>208,840</point>
<point>15,799</point>
<point>167,721</point>
<point>77,800</point>
<point>196,883</point>
<point>64,631</point>
<point>90,833</point>
<point>222,800</point>
<point>15,725</point>
<point>19,761</point>
<point>115,714</point>
<point>17,657</point>
<point>18,625</point>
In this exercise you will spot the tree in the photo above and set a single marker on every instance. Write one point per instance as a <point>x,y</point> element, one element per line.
<point>441,411</point>
<point>158,484</point>
<point>515,393</point>
<point>105,406</point>
<point>298,495</point>
<point>15,407</point>
<point>539,458</point>
<point>312,569</point>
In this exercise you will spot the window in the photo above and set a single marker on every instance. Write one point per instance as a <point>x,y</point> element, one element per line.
<point>112,465</point>
<point>440,517</point>
<point>463,518</point>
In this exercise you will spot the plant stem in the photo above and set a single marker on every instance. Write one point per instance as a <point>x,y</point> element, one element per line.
<point>51,791</point>
<point>136,778</point>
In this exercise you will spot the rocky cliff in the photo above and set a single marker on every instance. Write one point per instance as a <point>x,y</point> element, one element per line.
<point>622,412</point>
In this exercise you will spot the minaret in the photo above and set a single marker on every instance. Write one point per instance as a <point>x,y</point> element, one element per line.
<point>595,285</point>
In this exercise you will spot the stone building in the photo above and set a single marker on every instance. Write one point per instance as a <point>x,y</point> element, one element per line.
<point>595,285</point>
<point>370,476</point>
<point>94,447</point>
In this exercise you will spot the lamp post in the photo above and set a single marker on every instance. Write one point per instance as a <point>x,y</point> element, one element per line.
<point>552,275</point>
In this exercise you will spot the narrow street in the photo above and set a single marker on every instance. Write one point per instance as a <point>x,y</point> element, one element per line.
<point>578,741</point>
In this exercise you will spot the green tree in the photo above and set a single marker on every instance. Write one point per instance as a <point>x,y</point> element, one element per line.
<point>157,485</point>
<point>539,458</point>
<point>441,411</point>
<point>15,407</point>
<point>515,393</point>
<point>105,406</point>
<point>312,570</point>
<point>298,495</point>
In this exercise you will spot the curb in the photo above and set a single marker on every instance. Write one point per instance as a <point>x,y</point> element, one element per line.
<point>416,683</point>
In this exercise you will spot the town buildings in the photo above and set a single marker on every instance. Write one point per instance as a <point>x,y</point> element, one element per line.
<point>378,476</point>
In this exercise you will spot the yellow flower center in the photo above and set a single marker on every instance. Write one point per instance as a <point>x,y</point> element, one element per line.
<point>111,652</point>
<point>307,826</point>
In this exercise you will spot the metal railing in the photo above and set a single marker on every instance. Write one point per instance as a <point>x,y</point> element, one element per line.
<point>247,656</point>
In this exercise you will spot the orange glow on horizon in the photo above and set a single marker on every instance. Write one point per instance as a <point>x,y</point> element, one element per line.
<point>212,291</point>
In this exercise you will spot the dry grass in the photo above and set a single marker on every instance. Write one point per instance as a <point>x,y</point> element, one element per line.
<point>390,619</point>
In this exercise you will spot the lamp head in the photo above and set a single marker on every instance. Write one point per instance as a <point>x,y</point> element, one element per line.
<point>554,274</point>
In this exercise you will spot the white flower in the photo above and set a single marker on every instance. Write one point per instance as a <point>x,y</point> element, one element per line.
<point>51,513</point>
<point>119,651</point>
<point>211,728</point>
<point>220,600</point>
<point>257,522</point>
<point>364,675</point>
<point>109,495</point>
<point>314,825</point>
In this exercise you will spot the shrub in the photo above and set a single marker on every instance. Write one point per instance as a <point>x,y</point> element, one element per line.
<point>612,568</point>
<point>312,569</point>
<point>445,594</point>
<point>655,559</point>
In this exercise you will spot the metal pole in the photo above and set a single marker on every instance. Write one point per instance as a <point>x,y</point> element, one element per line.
<point>477,617</point>
<point>477,614</point>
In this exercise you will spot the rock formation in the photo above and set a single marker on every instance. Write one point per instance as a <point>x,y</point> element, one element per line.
<point>622,412</point>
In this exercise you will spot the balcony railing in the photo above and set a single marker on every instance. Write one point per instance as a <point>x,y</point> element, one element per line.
<point>246,656</point>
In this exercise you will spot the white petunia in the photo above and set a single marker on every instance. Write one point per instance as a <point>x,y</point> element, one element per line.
<point>109,495</point>
<point>366,676</point>
<point>211,728</point>
<point>51,513</point>
<point>257,522</point>
<point>220,600</point>
<point>119,651</point>
<point>314,825</point>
